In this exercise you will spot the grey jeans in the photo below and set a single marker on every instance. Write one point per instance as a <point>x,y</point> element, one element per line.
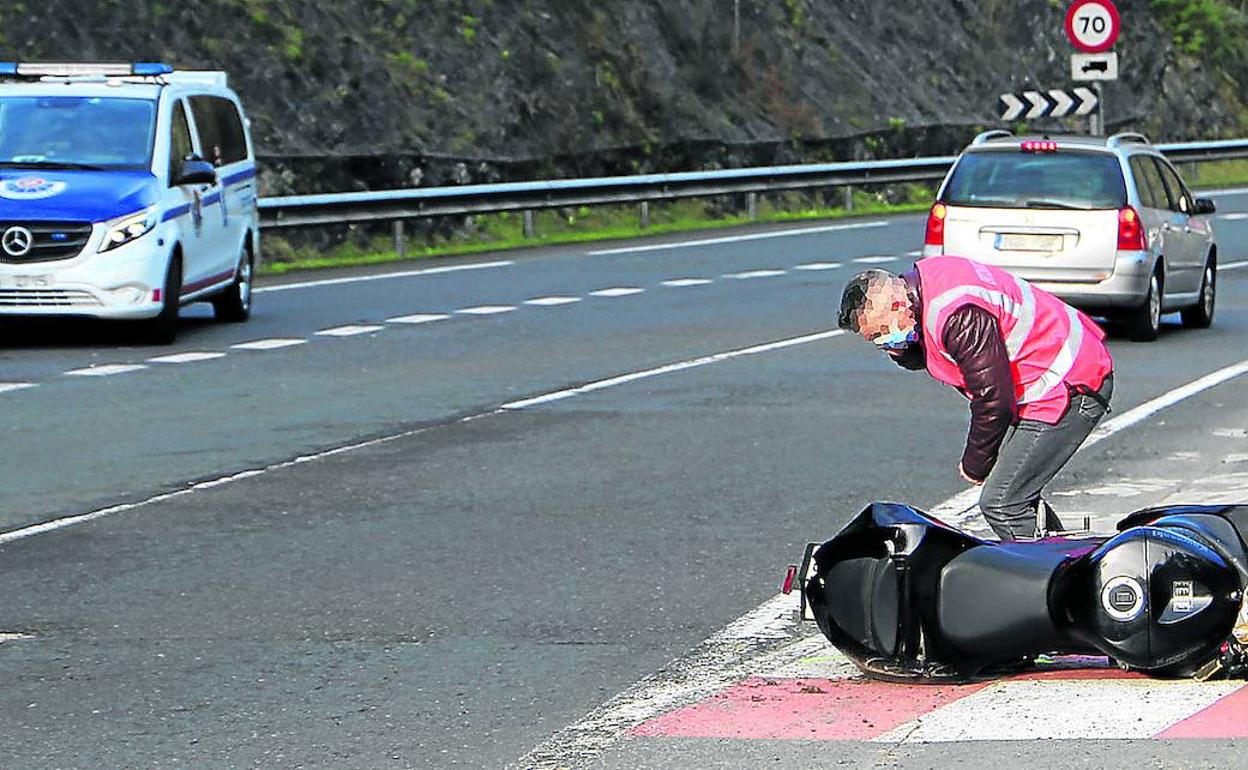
<point>1030,456</point>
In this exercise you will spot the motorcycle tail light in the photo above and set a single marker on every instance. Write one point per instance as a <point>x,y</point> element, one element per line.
<point>790,577</point>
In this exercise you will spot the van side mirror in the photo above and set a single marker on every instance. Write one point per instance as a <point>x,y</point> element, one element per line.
<point>1204,206</point>
<point>195,171</point>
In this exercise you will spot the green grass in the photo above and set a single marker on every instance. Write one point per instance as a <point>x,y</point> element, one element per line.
<point>1222,173</point>
<point>502,232</point>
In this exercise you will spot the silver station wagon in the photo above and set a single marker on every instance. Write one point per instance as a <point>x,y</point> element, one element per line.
<point>1107,224</point>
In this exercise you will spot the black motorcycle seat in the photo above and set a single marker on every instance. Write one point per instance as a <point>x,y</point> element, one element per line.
<point>994,599</point>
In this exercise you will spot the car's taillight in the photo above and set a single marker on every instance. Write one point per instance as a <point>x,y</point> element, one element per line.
<point>1130,230</point>
<point>936,225</point>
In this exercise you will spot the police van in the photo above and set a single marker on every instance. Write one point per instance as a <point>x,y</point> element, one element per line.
<point>126,191</point>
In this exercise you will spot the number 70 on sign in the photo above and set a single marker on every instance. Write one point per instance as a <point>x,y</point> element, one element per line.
<point>1093,25</point>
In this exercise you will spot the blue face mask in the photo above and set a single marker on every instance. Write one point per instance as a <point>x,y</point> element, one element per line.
<point>896,340</point>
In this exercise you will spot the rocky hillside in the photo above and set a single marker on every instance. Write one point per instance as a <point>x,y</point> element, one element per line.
<point>393,92</point>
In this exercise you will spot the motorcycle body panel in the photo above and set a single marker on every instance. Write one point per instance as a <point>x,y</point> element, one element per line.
<point>908,598</point>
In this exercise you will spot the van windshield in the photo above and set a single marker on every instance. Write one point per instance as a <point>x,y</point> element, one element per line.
<point>1058,180</point>
<point>76,132</point>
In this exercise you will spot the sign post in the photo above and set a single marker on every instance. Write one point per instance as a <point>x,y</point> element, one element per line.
<point>1092,26</point>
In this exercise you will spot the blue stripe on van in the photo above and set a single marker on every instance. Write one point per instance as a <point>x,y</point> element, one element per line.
<point>176,212</point>
<point>239,176</point>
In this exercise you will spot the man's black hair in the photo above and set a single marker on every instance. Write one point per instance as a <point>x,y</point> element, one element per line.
<point>855,297</point>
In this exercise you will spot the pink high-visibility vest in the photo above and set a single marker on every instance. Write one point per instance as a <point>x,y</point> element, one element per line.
<point>1050,344</point>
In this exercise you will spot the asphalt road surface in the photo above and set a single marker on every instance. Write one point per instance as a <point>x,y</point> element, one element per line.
<point>491,497</point>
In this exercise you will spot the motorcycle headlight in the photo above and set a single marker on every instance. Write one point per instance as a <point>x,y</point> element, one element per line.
<point>125,229</point>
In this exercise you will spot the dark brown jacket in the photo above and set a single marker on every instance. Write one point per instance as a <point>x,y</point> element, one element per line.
<point>973,338</point>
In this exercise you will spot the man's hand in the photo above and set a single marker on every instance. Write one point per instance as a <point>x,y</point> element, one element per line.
<point>962,473</point>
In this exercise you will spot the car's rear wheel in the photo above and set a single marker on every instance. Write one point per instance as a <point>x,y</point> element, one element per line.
<point>234,304</point>
<point>163,329</point>
<point>1144,323</point>
<point>1200,316</point>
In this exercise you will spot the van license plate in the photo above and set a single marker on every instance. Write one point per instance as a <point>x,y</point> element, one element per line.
<point>25,281</point>
<point>1021,242</point>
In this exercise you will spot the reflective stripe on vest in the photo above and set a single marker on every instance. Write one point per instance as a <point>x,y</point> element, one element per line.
<point>1024,316</point>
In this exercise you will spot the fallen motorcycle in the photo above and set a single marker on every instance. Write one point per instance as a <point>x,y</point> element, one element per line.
<point>908,598</point>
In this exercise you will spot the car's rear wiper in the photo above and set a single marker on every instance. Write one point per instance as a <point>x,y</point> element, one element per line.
<point>51,164</point>
<point>1048,204</point>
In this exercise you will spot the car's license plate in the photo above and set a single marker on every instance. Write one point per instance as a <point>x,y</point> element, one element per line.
<point>1028,242</point>
<point>25,281</point>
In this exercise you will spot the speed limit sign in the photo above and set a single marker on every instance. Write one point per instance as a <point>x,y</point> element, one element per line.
<point>1093,25</point>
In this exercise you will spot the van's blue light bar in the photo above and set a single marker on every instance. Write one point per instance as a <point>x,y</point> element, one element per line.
<point>151,68</point>
<point>84,69</point>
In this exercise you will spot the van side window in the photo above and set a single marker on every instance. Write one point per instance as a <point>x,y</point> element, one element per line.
<point>1180,200</point>
<point>220,129</point>
<point>1152,191</point>
<point>180,147</point>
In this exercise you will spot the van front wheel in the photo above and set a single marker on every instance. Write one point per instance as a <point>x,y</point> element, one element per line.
<point>234,304</point>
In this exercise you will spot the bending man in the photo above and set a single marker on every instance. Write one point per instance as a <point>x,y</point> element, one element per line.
<point>1036,371</point>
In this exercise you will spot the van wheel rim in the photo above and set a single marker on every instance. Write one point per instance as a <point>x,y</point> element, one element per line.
<point>244,284</point>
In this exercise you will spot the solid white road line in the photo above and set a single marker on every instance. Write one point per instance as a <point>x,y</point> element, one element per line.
<point>612,382</point>
<point>269,344</point>
<point>351,330</point>
<point>418,318</point>
<point>818,266</point>
<point>964,506</point>
<point>756,274</point>
<point>69,521</point>
<point>552,301</point>
<point>486,309</point>
<point>383,276</point>
<point>875,260</point>
<point>725,658</point>
<point>617,291</point>
<point>185,358</point>
<point>678,283</point>
<point>1233,265</point>
<point>738,238</point>
<point>105,371</point>
<point>9,387</point>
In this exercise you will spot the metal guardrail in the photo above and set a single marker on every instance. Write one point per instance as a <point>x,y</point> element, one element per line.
<point>397,205</point>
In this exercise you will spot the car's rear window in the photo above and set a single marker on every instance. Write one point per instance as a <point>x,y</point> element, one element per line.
<point>1065,179</point>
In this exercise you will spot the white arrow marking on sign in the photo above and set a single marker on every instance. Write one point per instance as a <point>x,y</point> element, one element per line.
<point>1088,98</point>
<point>1062,102</point>
<point>1013,107</point>
<point>1039,105</point>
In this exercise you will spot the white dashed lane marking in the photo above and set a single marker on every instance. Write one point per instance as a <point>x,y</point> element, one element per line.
<point>185,358</point>
<point>349,331</point>
<point>270,344</point>
<point>486,309</point>
<point>1233,217</point>
<point>418,318</point>
<point>617,291</point>
<point>874,260</point>
<point>818,266</point>
<point>9,387</point>
<point>682,282</point>
<point>105,371</point>
<point>552,301</point>
<point>756,274</point>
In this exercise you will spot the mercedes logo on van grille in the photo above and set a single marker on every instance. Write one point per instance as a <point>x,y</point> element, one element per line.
<point>17,241</point>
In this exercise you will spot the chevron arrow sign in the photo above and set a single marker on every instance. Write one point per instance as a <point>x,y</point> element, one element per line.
<point>1056,103</point>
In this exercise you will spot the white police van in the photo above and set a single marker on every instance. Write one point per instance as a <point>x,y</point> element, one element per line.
<point>126,191</point>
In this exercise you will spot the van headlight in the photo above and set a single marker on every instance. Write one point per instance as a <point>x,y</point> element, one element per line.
<point>131,227</point>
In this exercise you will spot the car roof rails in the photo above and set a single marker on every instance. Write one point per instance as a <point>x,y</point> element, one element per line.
<point>1126,137</point>
<point>989,135</point>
